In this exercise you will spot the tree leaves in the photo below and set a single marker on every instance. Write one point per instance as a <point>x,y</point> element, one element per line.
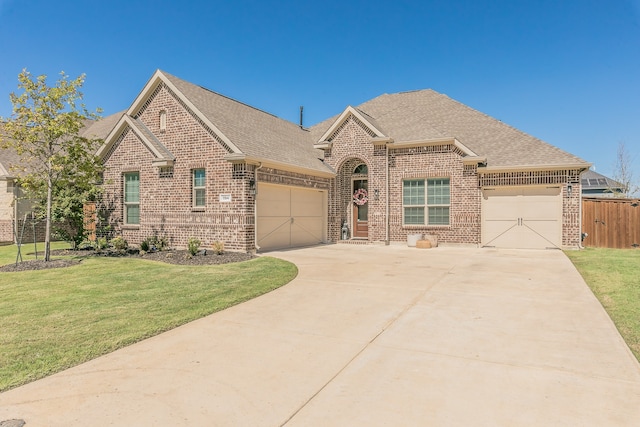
<point>58,167</point>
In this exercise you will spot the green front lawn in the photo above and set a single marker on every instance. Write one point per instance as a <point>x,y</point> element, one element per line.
<point>8,253</point>
<point>614,277</point>
<point>57,318</point>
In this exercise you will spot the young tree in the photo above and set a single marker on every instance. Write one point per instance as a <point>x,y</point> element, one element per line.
<point>45,130</point>
<point>623,171</point>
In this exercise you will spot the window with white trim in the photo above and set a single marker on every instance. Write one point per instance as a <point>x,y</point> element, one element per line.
<point>131,213</point>
<point>199,196</point>
<point>426,201</point>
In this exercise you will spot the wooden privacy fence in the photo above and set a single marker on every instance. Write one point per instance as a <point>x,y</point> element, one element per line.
<point>89,209</point>
<point>611,223</point>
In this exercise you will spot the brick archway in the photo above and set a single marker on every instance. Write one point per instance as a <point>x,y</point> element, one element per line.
<point>343,197</point>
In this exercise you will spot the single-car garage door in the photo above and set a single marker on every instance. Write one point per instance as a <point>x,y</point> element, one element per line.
<point>522,217</point>
<point>289,217</point>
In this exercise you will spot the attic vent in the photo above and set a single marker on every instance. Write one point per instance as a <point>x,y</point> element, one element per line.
<point>163,121</point>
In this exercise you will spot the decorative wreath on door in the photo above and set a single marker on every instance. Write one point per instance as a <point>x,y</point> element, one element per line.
<point>360,197</point>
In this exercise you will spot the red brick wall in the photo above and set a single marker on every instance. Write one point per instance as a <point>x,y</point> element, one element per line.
<point>6,230</point>
<point>165,200</point>
<point>352,146</point>
<point>571,213</point>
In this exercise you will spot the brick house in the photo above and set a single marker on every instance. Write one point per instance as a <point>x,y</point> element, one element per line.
<point>184,161</point>
<point>16,221</point>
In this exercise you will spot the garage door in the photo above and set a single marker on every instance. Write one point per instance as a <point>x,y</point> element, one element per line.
<point>289,217</point>
<point>522,217</point>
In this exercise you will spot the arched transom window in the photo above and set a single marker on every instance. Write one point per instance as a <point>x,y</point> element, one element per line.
<point>361,169</point>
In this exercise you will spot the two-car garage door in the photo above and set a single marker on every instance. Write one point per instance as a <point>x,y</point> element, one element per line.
<point>289,217</point>
<point>522,217</point>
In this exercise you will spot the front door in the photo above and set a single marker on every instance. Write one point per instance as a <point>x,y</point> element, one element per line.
<point>360,209</point>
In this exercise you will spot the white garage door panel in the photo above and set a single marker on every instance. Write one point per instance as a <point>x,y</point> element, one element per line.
<point>306,231</point>
<point>522,217</point>
<point>289,217</point>
<point>274,203</point>
<point>306,203</point>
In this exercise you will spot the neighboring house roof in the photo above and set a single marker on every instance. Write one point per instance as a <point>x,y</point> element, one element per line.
<point>93,129</point>
<point>594,183</point>
<point>100,128</point>
<point>8,157</point>
<point>427,115</point>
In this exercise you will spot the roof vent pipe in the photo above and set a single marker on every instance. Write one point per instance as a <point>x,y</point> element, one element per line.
<point>301,110</point>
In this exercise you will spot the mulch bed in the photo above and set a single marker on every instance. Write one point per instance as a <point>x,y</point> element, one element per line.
<point>178,257</point>
<point>39,265</point>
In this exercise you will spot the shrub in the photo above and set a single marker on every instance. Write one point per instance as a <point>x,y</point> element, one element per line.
<point>119,243</point>
<point>102,243</point>
<point>193,245</point>
<point>154,243</point>
<point>218,247</point>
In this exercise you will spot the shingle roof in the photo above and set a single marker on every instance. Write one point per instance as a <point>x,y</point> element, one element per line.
<point>255,132</point>
<point>426,114</point>
<point>163,152</point>
<point>93,129</point>
<point>101,128</point>
<point>8,158</point>
<point>592,180</point>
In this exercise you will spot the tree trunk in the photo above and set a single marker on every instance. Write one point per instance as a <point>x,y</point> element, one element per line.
<point>47,233</point>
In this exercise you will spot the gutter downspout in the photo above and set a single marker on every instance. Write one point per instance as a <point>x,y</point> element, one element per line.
<point>255,208</point>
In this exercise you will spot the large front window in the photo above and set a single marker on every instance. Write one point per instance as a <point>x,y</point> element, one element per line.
<point>132,198</point>
<point>426,201</point>
<point>199,188</point>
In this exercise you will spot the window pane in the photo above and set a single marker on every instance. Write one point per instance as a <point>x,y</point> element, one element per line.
<point>198,178</point>
<point>200,198</point>
<point>438,191</point>
<point>133,214</point>
<point>414,216</point>
<point>363,212</point>
<point>132,187</point>
<point>413,192</point>
<point>360,169</point>
<point>439,216</point>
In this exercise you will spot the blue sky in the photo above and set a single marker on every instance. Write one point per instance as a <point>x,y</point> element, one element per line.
<point>567,72</point>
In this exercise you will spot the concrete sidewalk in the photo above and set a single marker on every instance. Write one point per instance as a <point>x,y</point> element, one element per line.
<point>369,335</point>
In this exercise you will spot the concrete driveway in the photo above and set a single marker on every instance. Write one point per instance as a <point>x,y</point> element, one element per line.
<point>364,336</point>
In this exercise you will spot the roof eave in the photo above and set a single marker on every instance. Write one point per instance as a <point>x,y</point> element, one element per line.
<point>236,158</point>
<point>432,142</point>
<point>124,123</point>
<point>345,114</point>
<point>157,78</point>
<point>520,168</point>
